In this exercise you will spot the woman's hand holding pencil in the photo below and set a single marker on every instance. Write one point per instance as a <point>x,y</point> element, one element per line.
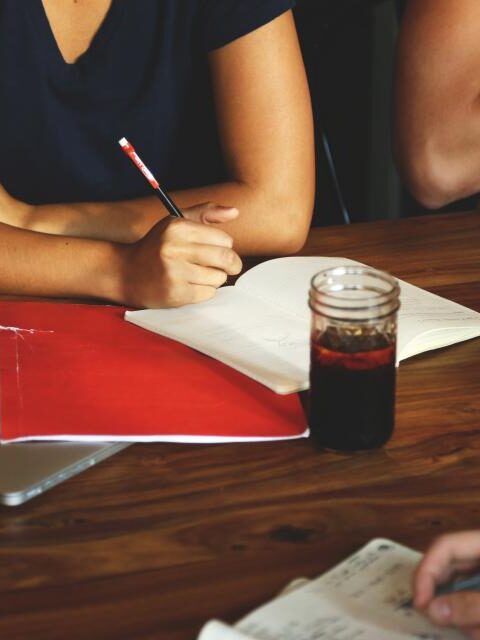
<point>182,260</point>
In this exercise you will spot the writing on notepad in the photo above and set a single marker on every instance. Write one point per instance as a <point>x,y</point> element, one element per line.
<point>360,599</point>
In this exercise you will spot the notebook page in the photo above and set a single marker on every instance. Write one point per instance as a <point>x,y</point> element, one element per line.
<point>374,583</point>
<point>425,321</point>
<point>285,282</point>
<point>261,326</point>
<point>300,617</point>
<point>428,321</point>
<point>216,630</point>
<point>244,332</point>
<point>359,599</point>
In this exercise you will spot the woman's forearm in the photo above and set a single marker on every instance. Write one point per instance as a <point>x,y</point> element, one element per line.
<point>273,220</point>
<point>177,262</point>
<point>122,221</point>
<point>269,223</point>
<point>38,264</point>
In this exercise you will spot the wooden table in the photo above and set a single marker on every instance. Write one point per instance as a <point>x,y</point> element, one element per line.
<point>155,541</point>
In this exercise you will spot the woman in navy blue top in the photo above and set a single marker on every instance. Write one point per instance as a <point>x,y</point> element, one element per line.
<point>213,95</point>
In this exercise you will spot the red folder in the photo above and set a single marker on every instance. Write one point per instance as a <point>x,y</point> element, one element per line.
<point>80,372</point>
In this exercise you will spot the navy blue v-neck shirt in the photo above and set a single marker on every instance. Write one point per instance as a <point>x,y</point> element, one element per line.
<point>145,76</point>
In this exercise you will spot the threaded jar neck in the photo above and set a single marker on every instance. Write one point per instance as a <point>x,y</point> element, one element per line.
<point>354,293</point>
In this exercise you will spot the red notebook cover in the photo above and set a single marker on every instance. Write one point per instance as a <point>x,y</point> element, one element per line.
<point>80,372</point>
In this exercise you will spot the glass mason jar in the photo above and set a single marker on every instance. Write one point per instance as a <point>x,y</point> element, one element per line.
<point>353,348</point>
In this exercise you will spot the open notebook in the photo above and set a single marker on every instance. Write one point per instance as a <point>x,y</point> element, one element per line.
<point>359,599</point>
<point>261,326</point>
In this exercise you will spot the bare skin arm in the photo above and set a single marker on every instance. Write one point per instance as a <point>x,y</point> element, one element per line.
<point>437,101</point>
<point>178,262</point>
<point>265,122</point>
<point>39,264</point>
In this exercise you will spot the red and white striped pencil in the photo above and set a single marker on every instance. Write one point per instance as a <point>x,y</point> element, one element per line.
<point>169,204</point>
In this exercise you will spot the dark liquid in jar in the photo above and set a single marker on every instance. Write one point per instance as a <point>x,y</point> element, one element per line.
<point>352,394</point>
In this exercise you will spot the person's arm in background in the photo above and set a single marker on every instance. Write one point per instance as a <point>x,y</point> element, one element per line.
<point>437,100</point>
<point>265,122</point>
<point>449,555</point>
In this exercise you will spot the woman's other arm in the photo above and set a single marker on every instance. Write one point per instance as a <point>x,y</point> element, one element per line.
<point>437,100</point>
<point>266,127</point>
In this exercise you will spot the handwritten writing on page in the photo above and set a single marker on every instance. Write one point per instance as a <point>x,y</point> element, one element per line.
<point>243,332</point>
<point>426,321</point>
<point>285,282</point>
<point>358,600</point>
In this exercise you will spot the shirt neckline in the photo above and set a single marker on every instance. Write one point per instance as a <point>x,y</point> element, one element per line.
<point>99,42</point>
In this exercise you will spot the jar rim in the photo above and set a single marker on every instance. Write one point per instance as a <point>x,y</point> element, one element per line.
<point>348,270</point>
<point>330,298</point>
<point>331,310</point>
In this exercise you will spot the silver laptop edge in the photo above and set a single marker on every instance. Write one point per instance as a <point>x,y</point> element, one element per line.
<point>55,462</point>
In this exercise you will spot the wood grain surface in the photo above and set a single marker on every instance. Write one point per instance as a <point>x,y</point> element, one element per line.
<point>158,539</point>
